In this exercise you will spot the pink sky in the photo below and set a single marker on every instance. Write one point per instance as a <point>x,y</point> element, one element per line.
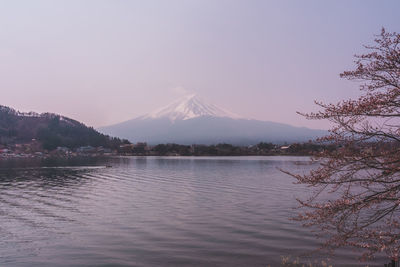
<point>103,62</point>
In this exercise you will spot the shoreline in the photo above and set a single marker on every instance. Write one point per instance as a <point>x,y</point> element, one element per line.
<point>14,157</point>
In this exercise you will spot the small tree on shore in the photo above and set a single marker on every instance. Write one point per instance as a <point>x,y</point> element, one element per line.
<point>356,199</point>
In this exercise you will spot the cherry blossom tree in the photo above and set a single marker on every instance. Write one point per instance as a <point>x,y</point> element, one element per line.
<point>356,196</point>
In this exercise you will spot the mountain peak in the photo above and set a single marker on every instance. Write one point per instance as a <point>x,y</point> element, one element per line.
<point>177,123</point>
<point>189,107</point>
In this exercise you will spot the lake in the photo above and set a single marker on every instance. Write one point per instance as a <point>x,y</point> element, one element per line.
<point>156,211</point>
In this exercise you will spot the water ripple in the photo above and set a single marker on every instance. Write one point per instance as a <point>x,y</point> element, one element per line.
<point>155,212</point>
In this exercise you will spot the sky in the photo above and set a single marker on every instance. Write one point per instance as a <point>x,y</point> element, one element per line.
<point>104,62</point>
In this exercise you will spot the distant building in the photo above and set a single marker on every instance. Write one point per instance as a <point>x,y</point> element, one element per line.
<point>126,148</point>
<point>107,150</point>
<point>86,149</point>
<point>140,148</point>
<point>63,149</point>
<point>4,151</point>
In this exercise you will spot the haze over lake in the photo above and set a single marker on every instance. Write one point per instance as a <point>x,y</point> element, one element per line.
<point>155,211</point>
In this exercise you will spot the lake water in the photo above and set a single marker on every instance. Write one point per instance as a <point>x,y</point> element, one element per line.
<point>154,211</point>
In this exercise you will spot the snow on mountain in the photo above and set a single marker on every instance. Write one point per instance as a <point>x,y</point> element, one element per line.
<point>189,107</point>
<point>191,120</point>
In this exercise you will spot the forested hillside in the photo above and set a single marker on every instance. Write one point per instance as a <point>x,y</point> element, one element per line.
<point>50,130</point>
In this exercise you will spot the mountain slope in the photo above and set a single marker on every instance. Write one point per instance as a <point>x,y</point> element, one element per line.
<point>210,130</point>
<point>192,121</point>
<point>50,130</point>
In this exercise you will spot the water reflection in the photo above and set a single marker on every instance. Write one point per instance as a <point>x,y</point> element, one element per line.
<point>153,211</point>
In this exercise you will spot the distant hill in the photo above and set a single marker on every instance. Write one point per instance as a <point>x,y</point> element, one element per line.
<point>51,130</point>
<point>193,121</point>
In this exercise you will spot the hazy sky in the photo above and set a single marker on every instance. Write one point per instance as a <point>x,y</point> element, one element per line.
<point>103,62</point>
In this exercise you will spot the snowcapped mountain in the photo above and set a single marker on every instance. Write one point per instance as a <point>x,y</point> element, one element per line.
<point>189,107</point>
<point>191,120</point>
